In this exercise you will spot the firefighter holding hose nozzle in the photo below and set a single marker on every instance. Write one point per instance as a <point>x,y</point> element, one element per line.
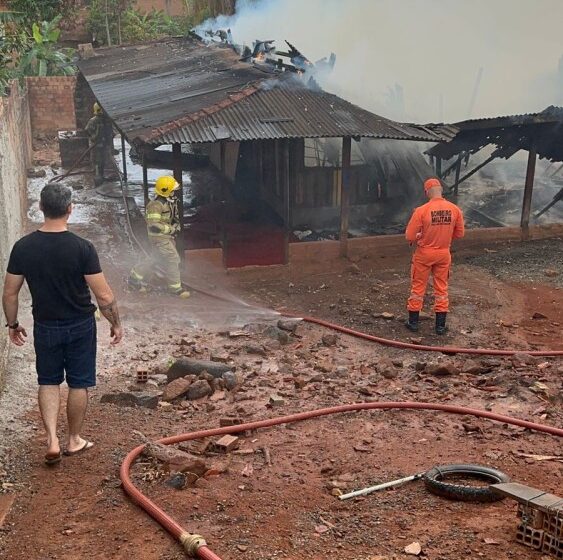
<point>432,227</point>
<point>163,225</point>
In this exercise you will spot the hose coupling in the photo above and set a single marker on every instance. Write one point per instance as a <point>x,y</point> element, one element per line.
<point>191,542</point>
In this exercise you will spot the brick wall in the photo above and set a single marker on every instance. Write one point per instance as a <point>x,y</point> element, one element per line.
<point>51,104</point>
<point>15,157</point>
<point>170,7</point>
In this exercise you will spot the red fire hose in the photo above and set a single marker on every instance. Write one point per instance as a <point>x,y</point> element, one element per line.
<point>422,347</point>
<point>195,545</point>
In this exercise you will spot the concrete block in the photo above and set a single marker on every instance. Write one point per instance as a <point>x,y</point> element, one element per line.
<point>531,516</point>
<point>529,536</point>
<point>276,400</point>
<point>553,523</point>
<point>553,546</point>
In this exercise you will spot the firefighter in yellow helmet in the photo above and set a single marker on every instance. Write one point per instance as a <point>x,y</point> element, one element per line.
<point>163,224</point>
<point>98,139</point>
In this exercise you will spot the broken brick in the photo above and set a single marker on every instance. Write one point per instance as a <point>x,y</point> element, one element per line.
<point>227,443</point>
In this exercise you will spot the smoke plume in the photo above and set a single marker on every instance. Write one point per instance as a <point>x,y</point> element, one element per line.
<point>420,59</point>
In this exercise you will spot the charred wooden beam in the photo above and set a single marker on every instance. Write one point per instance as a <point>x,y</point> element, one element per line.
<point>345,195</point>
<point>528,191</point>
<point>177,161</point>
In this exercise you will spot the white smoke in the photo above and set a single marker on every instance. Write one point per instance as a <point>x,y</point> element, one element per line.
<point>419,59</point>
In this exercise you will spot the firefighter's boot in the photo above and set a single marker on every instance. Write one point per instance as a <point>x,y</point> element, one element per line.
<point>412,323</point>
<point>177,289</point>
<point>441,322</point>
<point>135,282</point>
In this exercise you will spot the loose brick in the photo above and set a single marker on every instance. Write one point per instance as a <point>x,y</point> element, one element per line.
<point>227,443</point>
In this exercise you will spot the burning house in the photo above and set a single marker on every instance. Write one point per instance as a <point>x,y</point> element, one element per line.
<point>284,155</point>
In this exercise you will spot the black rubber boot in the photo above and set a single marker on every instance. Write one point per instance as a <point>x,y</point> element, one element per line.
<point>441,322</point>
<point>412,323</point>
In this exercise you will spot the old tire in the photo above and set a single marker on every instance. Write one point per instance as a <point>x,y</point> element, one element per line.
<point>436,482</point>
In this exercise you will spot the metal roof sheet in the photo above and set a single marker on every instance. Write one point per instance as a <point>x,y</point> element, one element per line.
<point>182,90</point>
<point>289,109</point>
<point>543,131</point>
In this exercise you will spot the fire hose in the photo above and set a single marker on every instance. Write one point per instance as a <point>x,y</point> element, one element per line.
<point>195,545</point>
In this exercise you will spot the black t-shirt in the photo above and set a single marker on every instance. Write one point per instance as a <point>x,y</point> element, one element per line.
<point>54,265</point>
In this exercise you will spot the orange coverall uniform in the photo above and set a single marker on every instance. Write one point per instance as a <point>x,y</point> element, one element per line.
<point>438,221</point>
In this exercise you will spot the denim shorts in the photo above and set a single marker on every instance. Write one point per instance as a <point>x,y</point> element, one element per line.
<point>66,347</point>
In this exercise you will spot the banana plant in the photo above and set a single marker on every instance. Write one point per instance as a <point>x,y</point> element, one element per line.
<point>44,57</point>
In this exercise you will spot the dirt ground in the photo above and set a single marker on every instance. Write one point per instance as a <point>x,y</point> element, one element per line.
<point>284,508</point>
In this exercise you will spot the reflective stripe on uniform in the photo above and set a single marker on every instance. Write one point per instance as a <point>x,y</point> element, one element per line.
<point>177,286</point>
<point>136,275</point>
<point>154,216</point>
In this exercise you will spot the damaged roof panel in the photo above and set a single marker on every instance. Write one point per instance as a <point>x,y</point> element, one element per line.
<point>543,131</point>
<point>182,90</point>
<point>291,110</point>
<point>142,87</point>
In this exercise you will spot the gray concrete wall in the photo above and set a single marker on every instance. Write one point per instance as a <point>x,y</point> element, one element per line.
<point>15,157</point>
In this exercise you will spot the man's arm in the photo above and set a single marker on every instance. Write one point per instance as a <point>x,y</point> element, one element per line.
<point>154,219</point>
<point>10,303</point>
<point>107,303</point>
<point>414,227</point>
<point>459,228</point>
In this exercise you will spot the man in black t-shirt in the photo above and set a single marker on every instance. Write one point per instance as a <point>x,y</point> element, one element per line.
<point>60,269</point>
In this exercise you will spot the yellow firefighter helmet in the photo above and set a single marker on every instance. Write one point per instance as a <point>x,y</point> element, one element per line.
<point>166,185</point>
<point>97,109</point>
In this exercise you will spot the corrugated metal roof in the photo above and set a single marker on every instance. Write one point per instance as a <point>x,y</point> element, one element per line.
<point>288,109</point>
<point>543,131</point>
<point>142,87</point>
<point>182,90</point>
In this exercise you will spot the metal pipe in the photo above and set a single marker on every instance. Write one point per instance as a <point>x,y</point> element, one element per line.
<point>383,486</point>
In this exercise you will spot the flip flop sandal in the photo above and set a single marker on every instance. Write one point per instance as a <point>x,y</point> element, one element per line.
<point>53,459</point>
<point>88,445</point>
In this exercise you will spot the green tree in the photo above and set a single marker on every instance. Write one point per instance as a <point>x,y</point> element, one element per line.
<point>44,57</point>
<point>37,10</point>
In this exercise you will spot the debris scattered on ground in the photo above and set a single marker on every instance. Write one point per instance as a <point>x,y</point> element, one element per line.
<point>414,549</point>
<point>144,400</point>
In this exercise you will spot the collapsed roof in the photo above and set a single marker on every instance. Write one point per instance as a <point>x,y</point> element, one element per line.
<point>183,90</point>
<point>542,131</point>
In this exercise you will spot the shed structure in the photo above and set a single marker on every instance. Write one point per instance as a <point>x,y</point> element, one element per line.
<point>264,131</point>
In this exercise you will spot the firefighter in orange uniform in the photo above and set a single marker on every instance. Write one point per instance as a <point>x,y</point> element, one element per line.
<point>432,227</point>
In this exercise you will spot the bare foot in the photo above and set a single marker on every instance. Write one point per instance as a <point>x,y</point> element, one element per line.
<point>77,444</point>
<point>53,447</point>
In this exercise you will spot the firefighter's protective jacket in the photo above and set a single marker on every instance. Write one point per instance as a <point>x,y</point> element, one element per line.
<point>162,218</point>
<point>95,130</point>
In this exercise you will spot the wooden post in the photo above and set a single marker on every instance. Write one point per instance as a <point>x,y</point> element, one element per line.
<point>145,181</point>
<point>528,189</point>
<point>177,163</point>
<point>438,166</point>
<point>123,158</point>
<point>457,174</point>
<point>345,195</point>
<point>286,198</point>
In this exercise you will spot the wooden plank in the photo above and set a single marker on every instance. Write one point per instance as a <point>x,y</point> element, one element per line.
<point>517,491</point>
<point>177,162</point>
<point>528,191</point>
<point>544,501</point>
<point>345,195</point>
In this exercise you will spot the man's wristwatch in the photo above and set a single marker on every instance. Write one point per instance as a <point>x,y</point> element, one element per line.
<point>13,326</point>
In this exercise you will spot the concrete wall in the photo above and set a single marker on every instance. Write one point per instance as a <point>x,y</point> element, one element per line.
<point>51,102</point>
<point>15,157</point>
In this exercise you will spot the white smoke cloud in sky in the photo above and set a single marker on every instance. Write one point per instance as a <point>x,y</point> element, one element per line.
<point>432,48</point>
